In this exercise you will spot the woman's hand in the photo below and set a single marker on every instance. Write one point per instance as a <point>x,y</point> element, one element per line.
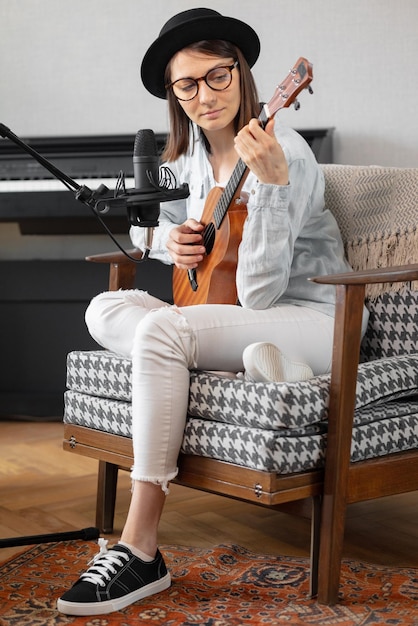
<point>261,152</point>
<point>185,244</point>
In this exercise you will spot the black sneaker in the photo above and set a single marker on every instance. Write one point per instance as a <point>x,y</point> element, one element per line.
<point>116,579</point>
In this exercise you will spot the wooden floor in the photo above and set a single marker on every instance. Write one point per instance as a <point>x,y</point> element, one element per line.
<point>44,489</point>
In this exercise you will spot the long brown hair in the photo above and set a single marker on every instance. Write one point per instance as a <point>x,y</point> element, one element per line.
<point>180,124</point>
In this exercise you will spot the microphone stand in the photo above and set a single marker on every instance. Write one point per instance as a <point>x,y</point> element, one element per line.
<point>86,534</point>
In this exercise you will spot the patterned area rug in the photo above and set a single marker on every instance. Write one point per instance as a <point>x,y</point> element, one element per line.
<point>223,586</point>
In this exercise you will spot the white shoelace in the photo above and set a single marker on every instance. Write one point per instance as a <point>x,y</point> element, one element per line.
<point>103,564</point>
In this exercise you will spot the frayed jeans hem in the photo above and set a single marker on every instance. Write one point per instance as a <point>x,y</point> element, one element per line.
<point>163,482</point>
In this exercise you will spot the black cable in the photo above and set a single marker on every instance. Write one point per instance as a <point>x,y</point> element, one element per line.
<point>117,244</point>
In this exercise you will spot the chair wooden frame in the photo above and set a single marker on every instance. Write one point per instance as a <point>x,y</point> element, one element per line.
<point>329,491</point>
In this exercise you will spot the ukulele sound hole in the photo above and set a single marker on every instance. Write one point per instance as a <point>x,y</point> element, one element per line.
<point>209,237</point>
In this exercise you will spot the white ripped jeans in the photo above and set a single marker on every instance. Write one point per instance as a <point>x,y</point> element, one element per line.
<point>166,341</point>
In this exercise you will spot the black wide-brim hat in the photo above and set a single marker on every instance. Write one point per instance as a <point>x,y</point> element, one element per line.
<point>186,28</point>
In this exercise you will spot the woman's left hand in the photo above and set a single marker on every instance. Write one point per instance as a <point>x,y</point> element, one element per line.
<point>262,154</point>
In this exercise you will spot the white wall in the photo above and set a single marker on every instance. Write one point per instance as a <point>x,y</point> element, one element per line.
<point>72,67</point>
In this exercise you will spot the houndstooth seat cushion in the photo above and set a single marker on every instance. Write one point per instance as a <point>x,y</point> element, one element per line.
<point>280,427</point>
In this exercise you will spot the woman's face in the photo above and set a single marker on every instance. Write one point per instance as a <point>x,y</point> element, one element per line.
<point>211,110</point>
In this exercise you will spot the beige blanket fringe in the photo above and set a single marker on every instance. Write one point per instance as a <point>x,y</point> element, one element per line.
<point>384,250</point>
<point>376,210</point>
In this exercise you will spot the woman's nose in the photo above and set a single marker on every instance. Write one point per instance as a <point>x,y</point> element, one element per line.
<point>206,94</point>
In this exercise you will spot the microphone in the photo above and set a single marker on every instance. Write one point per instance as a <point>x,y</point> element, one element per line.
<point>146,176</point>
<point>143,202</point>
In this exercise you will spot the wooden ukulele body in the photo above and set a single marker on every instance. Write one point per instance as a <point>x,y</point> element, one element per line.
<point>215,275</point>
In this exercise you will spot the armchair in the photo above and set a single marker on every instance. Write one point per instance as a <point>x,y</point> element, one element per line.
<point>315,445</point>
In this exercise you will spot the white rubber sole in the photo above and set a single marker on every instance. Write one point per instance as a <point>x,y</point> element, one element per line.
<point>109,606</point>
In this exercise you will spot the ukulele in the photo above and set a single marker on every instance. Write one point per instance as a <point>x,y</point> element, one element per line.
<point>224,214</point>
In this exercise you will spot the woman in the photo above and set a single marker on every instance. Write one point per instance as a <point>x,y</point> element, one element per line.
<point>201,63</point>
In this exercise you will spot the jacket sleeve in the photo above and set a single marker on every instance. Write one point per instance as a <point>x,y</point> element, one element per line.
<point>276,217</point>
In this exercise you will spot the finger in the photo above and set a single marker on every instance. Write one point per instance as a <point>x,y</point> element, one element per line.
<point>185,235</point>
<point>269,127</point>
<point>254,127</point>
<point>186,259</point>
<point>194,225</point>
<point>185,244</point>
<point>187,239</point>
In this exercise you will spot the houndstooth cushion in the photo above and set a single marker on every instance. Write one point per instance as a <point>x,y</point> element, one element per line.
<point>393,326</point>
<point>279,427</point>
<point>287,451</point>
<point>392,428</point>
<point>100,373</point>
<point>254,405</point>
<point>297,405</point>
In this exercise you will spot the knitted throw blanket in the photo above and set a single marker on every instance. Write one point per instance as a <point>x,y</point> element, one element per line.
<point>377,211</point>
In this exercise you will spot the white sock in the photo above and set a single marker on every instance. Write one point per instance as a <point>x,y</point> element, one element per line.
<point>141,555</point>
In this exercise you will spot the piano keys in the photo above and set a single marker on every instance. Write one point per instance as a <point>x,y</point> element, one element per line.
<point>51,184</point>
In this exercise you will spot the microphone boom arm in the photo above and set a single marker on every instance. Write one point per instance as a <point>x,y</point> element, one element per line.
<point>81,192</point>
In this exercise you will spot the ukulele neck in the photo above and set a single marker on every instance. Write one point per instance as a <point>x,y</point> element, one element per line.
<point>228,193</point>
<point>234,181</point>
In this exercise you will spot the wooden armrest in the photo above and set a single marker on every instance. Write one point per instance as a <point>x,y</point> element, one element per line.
<point>115,257</point>
<point>398,274</point>
<point>122,270</point>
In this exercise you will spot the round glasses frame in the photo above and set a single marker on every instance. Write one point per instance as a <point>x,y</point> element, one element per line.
<point>212,75</point>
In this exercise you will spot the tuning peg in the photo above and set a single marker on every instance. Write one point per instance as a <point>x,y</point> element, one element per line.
<point>296,104</point>
<point>310,89</point>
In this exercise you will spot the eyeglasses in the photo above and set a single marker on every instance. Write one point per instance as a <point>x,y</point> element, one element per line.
<point>218,79</point>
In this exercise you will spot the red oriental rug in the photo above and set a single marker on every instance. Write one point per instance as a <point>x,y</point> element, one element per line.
<point>223,586</point>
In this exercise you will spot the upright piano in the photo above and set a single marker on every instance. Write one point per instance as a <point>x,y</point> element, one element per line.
<point>43,296</point>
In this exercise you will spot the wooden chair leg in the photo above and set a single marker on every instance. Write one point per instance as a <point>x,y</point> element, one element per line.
<point>106,496</point>
<point>315,533</point>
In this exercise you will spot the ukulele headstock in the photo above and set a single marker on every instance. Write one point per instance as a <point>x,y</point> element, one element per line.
<point>298,78</point>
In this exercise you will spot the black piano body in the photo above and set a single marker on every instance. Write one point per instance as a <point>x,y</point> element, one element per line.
<point>43,299</point>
